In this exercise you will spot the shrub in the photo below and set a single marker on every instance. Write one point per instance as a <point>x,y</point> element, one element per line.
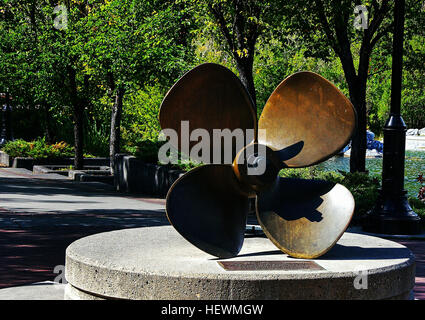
<point>421,194</point>
<point>38,149</point>
<point>312,173</point>
<point>147,151</point>
<point>363,187</point>
<point>365,190</point>
<point>418,206</point>
<point>17,148</point>
<point>140,120</point>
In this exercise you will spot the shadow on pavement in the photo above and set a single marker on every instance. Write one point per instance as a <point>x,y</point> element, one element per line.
<point>33,241</point>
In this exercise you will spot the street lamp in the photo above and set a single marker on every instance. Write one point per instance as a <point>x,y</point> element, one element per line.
<point>392,213</point>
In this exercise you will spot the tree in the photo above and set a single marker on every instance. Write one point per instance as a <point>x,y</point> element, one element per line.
<point>238,24</point>
<point>413,95</point>
<point>133,44</point>
<point>329,24</point>
<point>27,68</point>
<point>44,61</point>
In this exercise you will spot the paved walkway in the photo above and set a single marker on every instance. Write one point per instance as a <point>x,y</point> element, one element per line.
<point>40,215</point>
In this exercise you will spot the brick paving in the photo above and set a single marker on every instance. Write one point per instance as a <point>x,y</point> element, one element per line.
<point>418,249</point>
<point>40,215</point>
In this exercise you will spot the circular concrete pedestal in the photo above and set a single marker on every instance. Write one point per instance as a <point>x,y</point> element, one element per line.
<point>157,263</point>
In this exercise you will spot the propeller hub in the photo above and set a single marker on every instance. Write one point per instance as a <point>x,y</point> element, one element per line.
<point>257,167</point>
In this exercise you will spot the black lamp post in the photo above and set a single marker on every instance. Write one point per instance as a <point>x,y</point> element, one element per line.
<point>392,213</point>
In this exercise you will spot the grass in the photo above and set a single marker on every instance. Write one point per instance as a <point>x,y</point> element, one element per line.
<point>71,167</point>
<point>364,187</point>
<point>414,165</point>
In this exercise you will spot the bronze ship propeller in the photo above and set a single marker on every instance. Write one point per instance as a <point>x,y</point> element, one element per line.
<point>306,120</point>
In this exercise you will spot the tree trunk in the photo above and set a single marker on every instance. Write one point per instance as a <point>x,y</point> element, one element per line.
<point>115,139</point>
<point>357,89</point>
<point>241,38</point>
<point>79,137</point>
<point>358,142</point>
<point>78,120</point>
<point>245,67</point>
<point>48,119</point>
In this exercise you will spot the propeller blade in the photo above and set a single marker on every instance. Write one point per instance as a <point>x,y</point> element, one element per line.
<point>209,96</point>
<point>307,110</point>
<point>304,218</point>
<point>206,207</point>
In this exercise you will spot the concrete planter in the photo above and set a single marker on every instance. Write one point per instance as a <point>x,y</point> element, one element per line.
<point>91,176</point>
<point>88,174</point>
<point>28,163</point>
<point>135,176</point>
<point>5,159</point>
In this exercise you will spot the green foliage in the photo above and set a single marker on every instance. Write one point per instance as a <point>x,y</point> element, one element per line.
<point>146,46</point>
<point>186,165</point>
<point>97,138</point>
<point>37,149</point>
<point>105,45</point>
<point>140,116</point>
<point>147,151</point>
<point>311,173</point>
<point>363,187</point>
<point>418,206</point>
